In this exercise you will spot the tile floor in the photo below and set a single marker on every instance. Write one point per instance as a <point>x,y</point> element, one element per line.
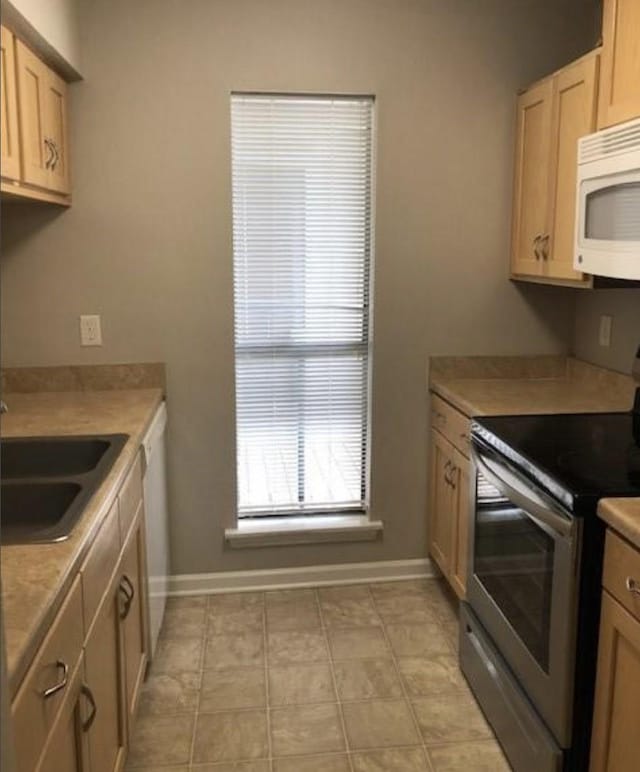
<point>361,678</point>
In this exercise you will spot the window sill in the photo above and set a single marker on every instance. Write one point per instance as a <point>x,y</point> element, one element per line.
<point>280,531</point>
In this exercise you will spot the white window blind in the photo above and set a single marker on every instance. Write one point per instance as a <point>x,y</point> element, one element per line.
<point>302,178</point>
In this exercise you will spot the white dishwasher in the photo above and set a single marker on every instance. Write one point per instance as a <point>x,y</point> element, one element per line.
<point>157,519</point>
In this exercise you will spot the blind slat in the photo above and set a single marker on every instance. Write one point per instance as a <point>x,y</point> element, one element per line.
<point>302,172</point>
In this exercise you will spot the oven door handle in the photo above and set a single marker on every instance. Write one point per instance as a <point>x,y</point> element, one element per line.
<point>559,523</point>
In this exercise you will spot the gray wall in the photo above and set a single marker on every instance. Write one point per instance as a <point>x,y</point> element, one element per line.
<point>624,306</point>
<point>147,243</point>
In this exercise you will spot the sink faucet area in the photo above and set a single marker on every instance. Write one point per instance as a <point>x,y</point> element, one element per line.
<point>47,481</point>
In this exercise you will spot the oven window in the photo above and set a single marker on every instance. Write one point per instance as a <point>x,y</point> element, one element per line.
<point>513,560</point>
<point>613,213</point>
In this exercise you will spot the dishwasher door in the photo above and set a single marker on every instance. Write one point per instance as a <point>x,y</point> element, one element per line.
<point>157,520</point>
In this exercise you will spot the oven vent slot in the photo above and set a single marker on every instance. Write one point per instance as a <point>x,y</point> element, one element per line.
<point>614,141</point>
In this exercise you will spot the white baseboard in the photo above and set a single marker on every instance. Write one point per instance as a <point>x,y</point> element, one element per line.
<point>304,576</point>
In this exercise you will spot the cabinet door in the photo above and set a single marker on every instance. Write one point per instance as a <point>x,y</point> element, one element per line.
<point>133,586</point>
<point>531,188</point>
<point>32,85</point>
<point>66,749</point>
<point>460,477</point>
<point>574,115</point>
<point>9,142</point>
<point>615,745</point>
<point>105,678</point>
<point>57,133</point>
<point>620,78</point>
<point>441,502</point>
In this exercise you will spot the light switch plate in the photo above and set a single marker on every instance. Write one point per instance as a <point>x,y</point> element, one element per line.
<point>604,336</point>
<point>90,330</point>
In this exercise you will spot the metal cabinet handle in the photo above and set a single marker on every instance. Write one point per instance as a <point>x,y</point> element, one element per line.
<point>545,246</point>
<point>449,471</point>
<point>62,666</point>
<point>536,244</point>
<point>440,418</point>
<point>86,692</point>
<point>632,585</point>
<point>49,146</point>
<point>128,590</point>
<point>56,155</point>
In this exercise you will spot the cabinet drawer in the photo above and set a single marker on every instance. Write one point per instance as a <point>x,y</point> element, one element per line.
<point>453,424</point>
<point>100,565</point>
<point>621,571</point>
<point>34,714</point>
<point>129,498</point>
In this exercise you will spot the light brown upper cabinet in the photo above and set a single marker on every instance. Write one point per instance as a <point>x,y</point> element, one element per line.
<point>10,159</point>
<point>35,162</point>
<point>620,79</point>
<point>552,115</point>
<point>531,191</point>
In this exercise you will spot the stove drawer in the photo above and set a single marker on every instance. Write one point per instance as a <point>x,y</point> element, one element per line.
<point>622,572</point>
<point>451,423</point>
<point>525,739</point>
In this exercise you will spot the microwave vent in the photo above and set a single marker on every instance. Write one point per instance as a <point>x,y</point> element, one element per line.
<point>609,142</point>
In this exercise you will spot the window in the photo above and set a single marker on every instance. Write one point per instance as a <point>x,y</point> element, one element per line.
<point>302,179</point>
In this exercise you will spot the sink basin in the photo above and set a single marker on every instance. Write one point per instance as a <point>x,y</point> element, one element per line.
<point>51,456</point>
<point>47,482</point>
<point>37,511</point>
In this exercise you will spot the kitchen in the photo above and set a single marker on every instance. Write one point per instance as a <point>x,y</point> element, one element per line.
<point>148,244</point>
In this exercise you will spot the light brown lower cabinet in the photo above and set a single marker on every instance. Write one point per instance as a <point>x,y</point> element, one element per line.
<point>615,744</point>
<point>85,721</point>
<point>67,748</point>
<point>104,677</point>
<point>442,503</point>
<point>448,520</point>
<point>134,613</point>
<point>459,558</point>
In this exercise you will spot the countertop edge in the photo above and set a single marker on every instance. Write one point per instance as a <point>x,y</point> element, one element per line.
<point>101,505</point>
<point>623,516</point>
<point>453,398</point>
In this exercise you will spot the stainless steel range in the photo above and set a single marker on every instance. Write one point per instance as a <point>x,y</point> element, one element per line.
<point>529,627</point>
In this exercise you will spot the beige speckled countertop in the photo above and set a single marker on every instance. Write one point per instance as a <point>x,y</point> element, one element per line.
<point>35,576</point>
<point>623,515</point>
<point>529,385</point>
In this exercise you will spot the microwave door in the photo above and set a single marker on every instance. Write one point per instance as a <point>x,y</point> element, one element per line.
<point>608,237</point>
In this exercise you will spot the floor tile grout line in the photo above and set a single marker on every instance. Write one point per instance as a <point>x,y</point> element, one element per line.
<point>402,684</point>
<point>203,653</point>
<point>267,696</point>
<point>334,681</point>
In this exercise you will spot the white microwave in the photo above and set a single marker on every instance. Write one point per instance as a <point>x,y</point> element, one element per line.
<point>607,239</point>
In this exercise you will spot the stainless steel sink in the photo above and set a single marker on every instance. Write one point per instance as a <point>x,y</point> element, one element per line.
<point>47,482</point>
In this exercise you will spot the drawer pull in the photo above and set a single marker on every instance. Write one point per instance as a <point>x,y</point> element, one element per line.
<point>465,437</point>
<point>128,590</point>
<point>86,692</point>
<point>62,666</point>
<point>633,586</point>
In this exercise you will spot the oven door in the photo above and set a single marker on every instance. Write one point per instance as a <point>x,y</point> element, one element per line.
<point>523,583</point>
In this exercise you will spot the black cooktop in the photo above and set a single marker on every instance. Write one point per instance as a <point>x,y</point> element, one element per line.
<point>578,458</point>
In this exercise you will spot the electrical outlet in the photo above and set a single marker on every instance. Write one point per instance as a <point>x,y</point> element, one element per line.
<point>604,336</point>
<point>90,330</point>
